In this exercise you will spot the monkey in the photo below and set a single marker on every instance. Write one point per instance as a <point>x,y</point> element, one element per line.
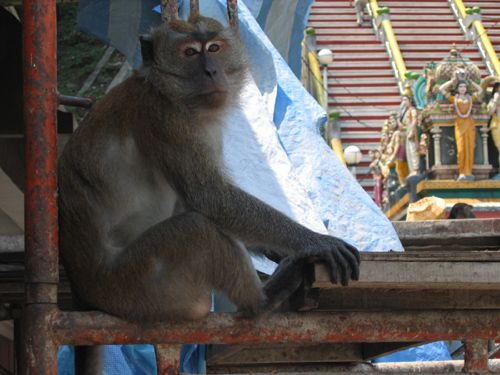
<point>461,211</point>
<point>149,222</point>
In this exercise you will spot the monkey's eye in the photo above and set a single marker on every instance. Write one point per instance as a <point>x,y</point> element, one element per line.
<point>192,49</point>
<point>190,52</point>
<point>213,47</point>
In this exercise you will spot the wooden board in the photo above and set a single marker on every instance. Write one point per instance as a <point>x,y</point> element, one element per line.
<point>350,299</point>
<point>476,233</point>
<point>419,275</point>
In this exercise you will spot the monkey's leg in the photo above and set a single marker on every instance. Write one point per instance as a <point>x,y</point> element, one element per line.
<point>285,280</point>
<point>169,271</point>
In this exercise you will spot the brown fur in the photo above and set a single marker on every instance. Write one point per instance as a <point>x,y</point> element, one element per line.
<point>153,146</point>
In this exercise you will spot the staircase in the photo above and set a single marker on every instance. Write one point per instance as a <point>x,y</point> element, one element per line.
<point>490,11</point>
<point>361,82</point>
<point>425,31</point>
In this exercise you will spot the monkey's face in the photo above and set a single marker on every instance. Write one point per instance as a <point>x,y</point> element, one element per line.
<point>204,70</point>
<point>198,63</point>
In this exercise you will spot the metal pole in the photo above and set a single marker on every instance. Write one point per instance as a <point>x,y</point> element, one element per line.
<point>41,256</point>
<point>194,6</point>
<point>93,328</point>
<point>169,10</point>
<point>476,356</point>
<point>168,359</point>
<point>325,85</point>
<point>232,14</point>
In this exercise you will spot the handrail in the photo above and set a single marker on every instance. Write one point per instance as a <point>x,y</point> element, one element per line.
<point>393,47</point>
<point>487,46</point>
<point>318,81</point>
<point>484,44</point>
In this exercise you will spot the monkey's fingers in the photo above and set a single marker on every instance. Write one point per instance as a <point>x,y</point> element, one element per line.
<point>352,255</point>
<point>347,258</point>
<point>332,267</point>
<point>345,272</point>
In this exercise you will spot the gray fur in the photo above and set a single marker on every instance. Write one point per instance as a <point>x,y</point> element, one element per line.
<point>149,223</point>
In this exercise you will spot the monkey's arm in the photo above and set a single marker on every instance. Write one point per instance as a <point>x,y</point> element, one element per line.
<point>204,188</point>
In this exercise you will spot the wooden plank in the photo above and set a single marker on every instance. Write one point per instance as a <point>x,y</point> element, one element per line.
<point>424,275</point>
<point>350,299</point>
<point>289,353</point>
<point>424,255</point>
<point>476,232</point>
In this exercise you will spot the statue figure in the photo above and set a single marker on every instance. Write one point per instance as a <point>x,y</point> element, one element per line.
<point>377,176</point>
<point>360,8</point>
<point>408,120</point>
<point>494,112</point>
<point>396,150</point>
<point>465,130</point>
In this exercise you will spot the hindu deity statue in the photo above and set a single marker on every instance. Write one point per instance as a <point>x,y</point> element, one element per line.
<point>409,120</point>
<point>396,149</point>
<point>465,130</point>
<point>494,112</point>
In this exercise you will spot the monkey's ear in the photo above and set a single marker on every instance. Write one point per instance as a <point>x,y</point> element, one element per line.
<point>147,49</point>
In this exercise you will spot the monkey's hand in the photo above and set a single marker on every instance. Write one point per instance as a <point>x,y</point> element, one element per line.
<point>338,256</point>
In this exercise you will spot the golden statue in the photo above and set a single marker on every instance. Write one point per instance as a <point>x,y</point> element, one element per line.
<point>465,130</point>
<point>396,149</point>
<point>494,112</point>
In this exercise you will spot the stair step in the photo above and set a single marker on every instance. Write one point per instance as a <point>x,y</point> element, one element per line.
<point>352,82</point>
<point>361,80</point>
<point>363,91</point>
<point>425,25</point>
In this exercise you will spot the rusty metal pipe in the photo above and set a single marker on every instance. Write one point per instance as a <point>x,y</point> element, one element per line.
<point>168,359</point>
<point>40,114</point>
<point>194,6</point>
<point>476,356</point>
<point>232,15</point>
<point>95,328</point>
<point>75,101</point>
<point>169,11</point>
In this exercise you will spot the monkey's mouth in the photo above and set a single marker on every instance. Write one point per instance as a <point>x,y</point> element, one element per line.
<point>213,99</point>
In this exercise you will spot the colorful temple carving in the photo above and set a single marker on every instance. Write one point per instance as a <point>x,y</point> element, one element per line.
<point>427,140</point>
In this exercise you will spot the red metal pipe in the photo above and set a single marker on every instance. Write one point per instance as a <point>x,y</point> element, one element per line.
<point>168,359</point>
<point>40,114</point>
<point>476,356</point>
<point>194,6</point>
<point>39,342</point>
<point>169,10</point>
<point>232,14</point>
<point>95,328</point>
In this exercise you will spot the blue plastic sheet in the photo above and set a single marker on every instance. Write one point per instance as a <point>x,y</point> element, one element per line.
<point>272,147</point>
<point>435,351</point>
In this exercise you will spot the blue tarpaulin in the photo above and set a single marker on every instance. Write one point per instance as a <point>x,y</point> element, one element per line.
<point>272,143</point>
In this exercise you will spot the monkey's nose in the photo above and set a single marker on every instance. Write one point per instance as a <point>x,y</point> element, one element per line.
<point>210,72</point>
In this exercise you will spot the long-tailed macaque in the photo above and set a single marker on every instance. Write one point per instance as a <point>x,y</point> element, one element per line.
<point>149,223</point>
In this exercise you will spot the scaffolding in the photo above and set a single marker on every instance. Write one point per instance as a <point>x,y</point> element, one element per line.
<point>44,327</point>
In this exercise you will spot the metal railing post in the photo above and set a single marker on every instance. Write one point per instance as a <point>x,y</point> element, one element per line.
<point>41,241</point>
